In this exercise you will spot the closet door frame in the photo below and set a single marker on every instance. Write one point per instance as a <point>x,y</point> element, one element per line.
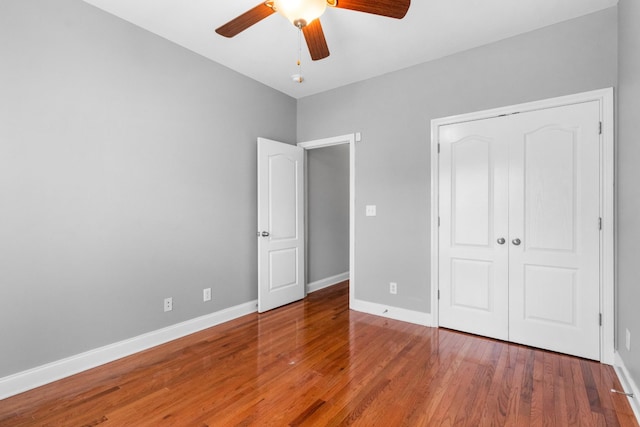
<point>604,97</point>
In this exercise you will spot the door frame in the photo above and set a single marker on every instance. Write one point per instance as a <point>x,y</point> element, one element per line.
<point>607,203</point>
<point>350,139</point>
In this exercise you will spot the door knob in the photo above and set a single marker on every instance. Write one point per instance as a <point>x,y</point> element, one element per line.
<point>501,241</point>
<point>265,234</point>
<point>516,242</point>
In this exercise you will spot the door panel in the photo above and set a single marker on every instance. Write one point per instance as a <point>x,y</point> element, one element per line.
<point>471,188</point>
<point>473,215</point>
<point>280,224</point>
<point>283,221</point>
<point>283,268</point>
<point>539,283</point>
<point>471,284</point>
<point>554,206</point>
<point>550,189</point>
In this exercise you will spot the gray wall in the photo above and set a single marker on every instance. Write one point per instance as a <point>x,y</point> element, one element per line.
<point>393,112</point>
<point>628,189</point>
<point>328,212</point>
<point>127,174</point>
<point>127,168</point>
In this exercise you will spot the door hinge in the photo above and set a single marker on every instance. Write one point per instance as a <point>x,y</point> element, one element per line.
<point>438,221</point>
<point>438,293</point>
<point>438,148</point>
<point>600,223</point>
<point>600,319</point>
<point>600,129</point>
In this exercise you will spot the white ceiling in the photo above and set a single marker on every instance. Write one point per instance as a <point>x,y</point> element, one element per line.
<point>361,45</point>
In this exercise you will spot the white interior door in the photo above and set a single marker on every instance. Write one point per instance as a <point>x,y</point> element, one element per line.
<point>519,235</point>
<point>280,224</point>
<point>473,218</point>
<point>554,211</point>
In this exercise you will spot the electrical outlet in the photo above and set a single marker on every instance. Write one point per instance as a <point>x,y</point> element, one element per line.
<point>393,288</point>
<point>370,210</point>
<point>627,341</point>
<point>168,304</point>
<point>206,294</point>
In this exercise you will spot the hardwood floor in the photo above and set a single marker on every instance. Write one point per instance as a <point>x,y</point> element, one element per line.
<point>316,363</point>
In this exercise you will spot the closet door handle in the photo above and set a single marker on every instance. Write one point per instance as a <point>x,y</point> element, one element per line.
<point>501,241</point>
<point>516,242</point>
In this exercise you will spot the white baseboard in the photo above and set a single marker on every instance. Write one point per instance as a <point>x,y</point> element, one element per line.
<point>325,283</point>
<point>41,375</point>
<point>391,312</point>
<point>628,384</point>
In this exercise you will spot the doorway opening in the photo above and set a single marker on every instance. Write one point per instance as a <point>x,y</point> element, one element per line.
<point>348,140</point>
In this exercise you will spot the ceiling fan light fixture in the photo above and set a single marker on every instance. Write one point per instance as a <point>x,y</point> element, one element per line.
<point>300,12</point>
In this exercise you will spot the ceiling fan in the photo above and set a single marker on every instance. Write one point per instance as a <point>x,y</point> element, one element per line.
<point>305,14</point>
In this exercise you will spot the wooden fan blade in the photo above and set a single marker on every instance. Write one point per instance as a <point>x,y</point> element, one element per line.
<point>390,8</point>
<point>244,21</point>
<point>316,42</point>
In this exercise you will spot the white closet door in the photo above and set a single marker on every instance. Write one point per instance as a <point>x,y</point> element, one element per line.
<point>532,179</point>
<point>473,216</point>
<point>554,276</point>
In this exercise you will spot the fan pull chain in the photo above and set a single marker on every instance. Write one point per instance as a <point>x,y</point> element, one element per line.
<point>298,77</point>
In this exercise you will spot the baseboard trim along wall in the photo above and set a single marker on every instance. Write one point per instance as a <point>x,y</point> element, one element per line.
<point>628,384</point>
<point>391,312</point>
<point>329,281</point>
<point>41,375</point>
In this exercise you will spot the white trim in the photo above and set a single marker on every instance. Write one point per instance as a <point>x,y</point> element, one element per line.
<point>396,313</point>
<point>327,281</point>
<point>434,226</point>
<point>352,221</point>
<point>327,142</point>
<point>605,98</point>
<point>607,244</point>
<point>351,140</point>
<point>628,385</point>
<point>41,375</point>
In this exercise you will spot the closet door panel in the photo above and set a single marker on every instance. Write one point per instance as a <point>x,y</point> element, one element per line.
<point>554,211</point>
<point>550,189</point>
<point>473,215</point>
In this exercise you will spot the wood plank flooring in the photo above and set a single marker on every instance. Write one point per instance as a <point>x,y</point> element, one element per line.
<point>316,363</point>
